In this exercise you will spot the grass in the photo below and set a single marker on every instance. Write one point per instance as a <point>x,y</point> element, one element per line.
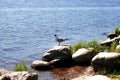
<point>95,44</point>
<point>21,66</point>
<point>90,44</point>
<point>78,45</point>
<point>117,50</point>
<point>113,46</point>
<point>117,30</point>
<point>112,73</point>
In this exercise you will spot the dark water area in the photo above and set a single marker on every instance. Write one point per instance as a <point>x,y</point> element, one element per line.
<point>27,27</point>
<point>67,73</point>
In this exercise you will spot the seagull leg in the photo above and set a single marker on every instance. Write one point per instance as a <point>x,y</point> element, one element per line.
<point>59,44</point>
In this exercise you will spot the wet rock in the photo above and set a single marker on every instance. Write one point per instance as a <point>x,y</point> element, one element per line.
<point>98,77</point>
<point>82,56</point>
<point>41,65</point>
<point>22,75</point>
<point>57,52</point>
<point>106,59</point>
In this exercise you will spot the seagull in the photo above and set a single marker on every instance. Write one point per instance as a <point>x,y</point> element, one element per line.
<point>59,40</point>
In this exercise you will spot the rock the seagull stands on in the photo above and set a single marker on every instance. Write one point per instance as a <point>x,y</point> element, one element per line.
<point>59,40</point>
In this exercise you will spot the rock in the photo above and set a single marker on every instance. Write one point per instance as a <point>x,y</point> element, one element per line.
<point>118,47</point>
<point>106,59</point>
<point>82,56</point>
<point>6,78</point>
<point>62,63</point>
<point>4,71</point>
<point>57,52</point>
<point>41,65</point>
<point>112,35</point>
<point>22,75</point>
<point>108,41</point>
<point>98,77</point>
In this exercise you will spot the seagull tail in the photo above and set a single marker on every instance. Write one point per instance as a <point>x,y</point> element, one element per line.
<point>67,39</point>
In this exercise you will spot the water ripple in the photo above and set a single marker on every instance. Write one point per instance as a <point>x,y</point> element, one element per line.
<point>57,8</point>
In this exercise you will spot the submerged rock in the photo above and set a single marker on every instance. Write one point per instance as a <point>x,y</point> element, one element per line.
<point>83,56</point>
<point>41,65</point>
<point>106,59</point>
<point>57,52</point>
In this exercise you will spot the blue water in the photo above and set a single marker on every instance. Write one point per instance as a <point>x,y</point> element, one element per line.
<point>27,26</point>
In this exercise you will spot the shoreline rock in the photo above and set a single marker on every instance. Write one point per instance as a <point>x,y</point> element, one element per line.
<point>58,56</point>
<point>20,75</point>
<point>108,41</point>
<point>57,52</point>
<point>111,60</point>
<point>41,65</point>
<point>83,56</point>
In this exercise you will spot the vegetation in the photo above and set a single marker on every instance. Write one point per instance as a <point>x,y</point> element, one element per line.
<point>78,45</point>
<point>112,73</point>
<point>96,45</point>
<point>21,66</point>
<point>117,30</point>
<point>117,50</point>
<point>90,44</point>
<point>113,46</point>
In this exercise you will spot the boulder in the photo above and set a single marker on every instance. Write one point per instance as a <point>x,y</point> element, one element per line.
<point>106,59</point>
<point>82,56</point>
<point>112,35</point>
<point>62,63</point>
<point>108,41</point>
<point>118,47</point>
<point>22,75</point>
<point>57,52</point>
<point>41,65</point>
<point>98,77</point>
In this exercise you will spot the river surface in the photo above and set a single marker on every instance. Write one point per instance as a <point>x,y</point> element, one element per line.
<point>27,26</point>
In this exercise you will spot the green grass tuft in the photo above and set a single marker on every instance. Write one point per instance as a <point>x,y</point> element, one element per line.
<point>96,45</point>
<point>113,46</point>
<point>21,66</point>
<point>78,45</point>
<point>90,44</point>
<point>117,50</point>
<point>117,30</point>
<point>112,73</point>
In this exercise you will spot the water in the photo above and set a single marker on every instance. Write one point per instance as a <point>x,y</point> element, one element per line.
<point>27,27</point>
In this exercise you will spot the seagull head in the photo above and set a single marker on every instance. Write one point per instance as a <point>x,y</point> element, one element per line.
<point>55,35</point>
